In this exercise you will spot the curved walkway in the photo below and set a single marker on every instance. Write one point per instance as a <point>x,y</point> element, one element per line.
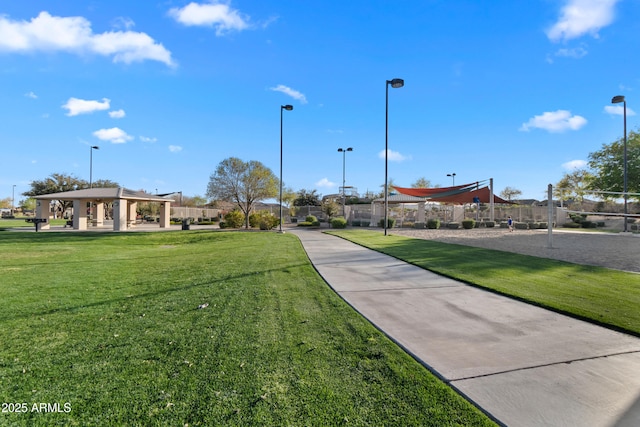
<point>523,365</point>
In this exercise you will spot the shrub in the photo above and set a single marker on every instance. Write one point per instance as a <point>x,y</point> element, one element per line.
<point>433,224</point>
<point>391,222</point>
<point>306,224</point>
<point>489,224</point>
<point>453,225</point>
<point>264,220</point>
<point>355,223</point>
<point>234,219</point>
<point>600,224</point>
<point>521,225</point>
<point>419,225</point>
<point>588,224</point>
<point>468,224</point>
<point>571,225</point>
<point>365,223</point>
<point>311,218</point>
<point>338,222</point>
<point>407,224</point>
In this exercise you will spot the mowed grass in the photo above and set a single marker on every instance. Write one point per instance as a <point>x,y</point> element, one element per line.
<point>604,296</point>
<point>105,329</point>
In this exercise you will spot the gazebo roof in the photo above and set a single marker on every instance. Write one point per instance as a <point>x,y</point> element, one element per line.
<point>103,194</point>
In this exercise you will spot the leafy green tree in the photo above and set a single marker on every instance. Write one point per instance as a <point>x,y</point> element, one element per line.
<point>5,203</point>
<point>607,166</point>
<point>330,208</point>
<point>307,198</point>
<point>509,192</point>
<point>57,183</point>
<point>28,204</point>
<point>103,183</point>
<point>573,185</point>
<point>243,183</point>
<point>60,182</point>
<point>421,182</point>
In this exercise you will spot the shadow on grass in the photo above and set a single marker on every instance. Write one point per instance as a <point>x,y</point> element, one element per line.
<point>284,268</point>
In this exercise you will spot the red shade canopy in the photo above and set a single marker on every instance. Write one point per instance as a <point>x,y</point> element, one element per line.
<point>459,194</point>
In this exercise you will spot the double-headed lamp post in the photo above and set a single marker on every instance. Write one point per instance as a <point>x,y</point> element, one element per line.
<point>453,177</point>
<point>616,100</point>
<point>394,83</point>
<point>282,108</point>
<point>13,198</point>
<point>93,147</point>
<point>344,155</point>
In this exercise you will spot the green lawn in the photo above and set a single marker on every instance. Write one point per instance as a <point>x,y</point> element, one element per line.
<point>600,295</point>
<point>105,328</point>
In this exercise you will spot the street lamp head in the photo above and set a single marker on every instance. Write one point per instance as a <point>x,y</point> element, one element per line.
<point>349,149</point>
<point>451,174</point>
<point>95,147</point>
<point>617,99</point>
<point>396,83</point>
<point>287,107</point>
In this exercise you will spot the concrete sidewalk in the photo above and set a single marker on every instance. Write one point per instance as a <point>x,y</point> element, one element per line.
<point>524,365</point>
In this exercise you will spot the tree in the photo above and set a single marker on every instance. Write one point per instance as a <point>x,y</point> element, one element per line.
<point>330,208</point>
<point>510,192</point>
<point>5,203</point>
<point>60,182</point>
<point>307,198</point>
<point>243,183</point>
<point>421,182</point>
<point>57,183</point>
<point>573,185</point>
<point>607,166</point>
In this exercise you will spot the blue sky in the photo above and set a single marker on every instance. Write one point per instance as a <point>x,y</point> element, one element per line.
<point>515,90</point>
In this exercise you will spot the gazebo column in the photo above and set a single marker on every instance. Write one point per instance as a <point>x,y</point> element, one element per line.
<point>421,211</point>
<point>79,214</point>
<point>119,215</point>
<point>98,214</point>
<point>165,214</point>
<point>43,211</point>
<point>132,212</point>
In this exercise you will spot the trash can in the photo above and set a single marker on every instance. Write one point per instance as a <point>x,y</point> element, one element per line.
<point>185,224</point>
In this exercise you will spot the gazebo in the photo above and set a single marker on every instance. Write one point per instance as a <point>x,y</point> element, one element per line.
<point>124,207</point>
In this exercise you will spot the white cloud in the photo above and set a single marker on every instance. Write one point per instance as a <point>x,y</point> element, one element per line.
<point>291,92</point>
<point>46,33</point>
<point>574,164</point>
<point>555,121</point>
<point>113,135</point>
<point>117,114</point>
<point>148,139</point>
<point>83,106</point>
<point>618,110</point>
<point>576,53</point>
<point>394,156</point>
<point>175,148</point>
<point>31,95</point>
<point>579,17</point>
<point>214,14</point>
<point>325,183</point>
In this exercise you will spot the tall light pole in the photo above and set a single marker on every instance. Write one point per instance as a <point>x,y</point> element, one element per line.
<point>282,108</point>
<point>395,83</point>
<point>13,198</point>
<point>93,147</point>
<point>344,155</point>
<point>453,177</point>
<point>616,100</point>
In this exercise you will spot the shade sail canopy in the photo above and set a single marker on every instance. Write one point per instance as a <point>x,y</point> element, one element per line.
<point>459,194</point>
